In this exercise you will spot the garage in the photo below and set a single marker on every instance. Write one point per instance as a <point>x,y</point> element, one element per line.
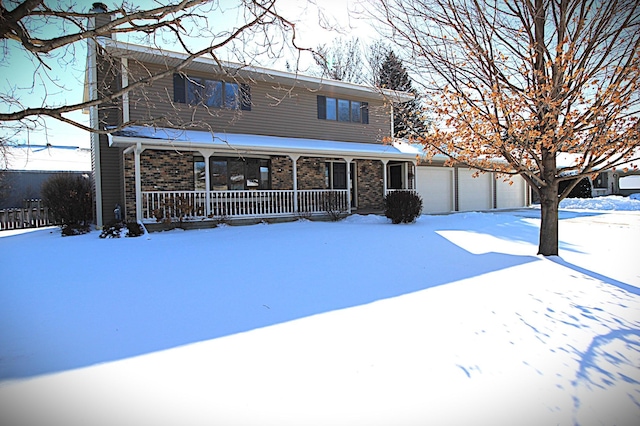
<point>447,189</point>
<point>435,186</point>
<point>474,193</point>
<point>508,195</point>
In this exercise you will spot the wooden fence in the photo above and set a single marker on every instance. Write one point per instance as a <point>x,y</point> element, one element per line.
<point>31,215</point>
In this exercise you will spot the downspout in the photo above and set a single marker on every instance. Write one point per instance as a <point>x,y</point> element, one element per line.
<point>138,181</point>
<point>124,66</point>
<point>393,134</point>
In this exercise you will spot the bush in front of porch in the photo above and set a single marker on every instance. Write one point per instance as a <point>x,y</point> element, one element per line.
<point>402,206</point>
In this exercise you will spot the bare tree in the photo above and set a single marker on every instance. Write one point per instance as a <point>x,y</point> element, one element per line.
<point>342,60</point>
<point>53,34</point>
<point>516,85</point>
<point>375,56</point>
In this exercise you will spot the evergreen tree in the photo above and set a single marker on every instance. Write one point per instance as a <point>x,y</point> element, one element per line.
<point>407,117</point>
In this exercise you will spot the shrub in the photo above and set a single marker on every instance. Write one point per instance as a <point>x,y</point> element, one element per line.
<point>402,206</point>
<point>116,229</point>
<point>69,201</point>
<point>581,190</point>
<point>331,205</point>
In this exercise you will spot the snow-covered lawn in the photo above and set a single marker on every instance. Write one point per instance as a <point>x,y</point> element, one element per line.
<point>453,320</point>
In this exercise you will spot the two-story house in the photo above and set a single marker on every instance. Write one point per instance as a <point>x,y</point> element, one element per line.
<point>237,142</point>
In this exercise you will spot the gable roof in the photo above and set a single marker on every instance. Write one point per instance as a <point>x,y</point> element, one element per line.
<point>170,58</point>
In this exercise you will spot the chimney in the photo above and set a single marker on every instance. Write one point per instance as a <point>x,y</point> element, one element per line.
<point>102,15</point>
<point>98,8</point>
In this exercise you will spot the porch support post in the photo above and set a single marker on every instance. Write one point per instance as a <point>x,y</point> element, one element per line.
<point>348,160</point>
<point>415,175</point>
<point>138,180</point>
<point>384,177</point>
<point>207,181</point>
<point>405,178</point>
<point>294,160</point>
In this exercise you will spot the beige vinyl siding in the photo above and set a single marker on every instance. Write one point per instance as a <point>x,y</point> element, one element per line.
<point>111,178</point>
<point>275,111</point>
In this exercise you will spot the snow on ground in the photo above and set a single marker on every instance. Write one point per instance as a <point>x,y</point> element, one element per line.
<point>452,320</point>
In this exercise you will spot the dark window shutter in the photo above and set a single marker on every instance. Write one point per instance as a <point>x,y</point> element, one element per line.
<point>322,107</point>
<point>179,89</point>
<point>245,97</point>
<point>365,113</point>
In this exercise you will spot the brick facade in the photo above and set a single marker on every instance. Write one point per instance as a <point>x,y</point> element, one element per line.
<point>159,171</point>
<point>281,173</point>
<point>174,171</point>
<point>311,173</point>
<point>370,184</point>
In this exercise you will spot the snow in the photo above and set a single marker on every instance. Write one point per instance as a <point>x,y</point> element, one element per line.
<point>452,320</point>
<point>610,202</point>
<point>250,143</point>
<point>48,158</point>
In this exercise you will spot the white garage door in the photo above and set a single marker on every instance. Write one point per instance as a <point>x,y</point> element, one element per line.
<point>474,193</point>
<point>435,186</point>
<point>510,196</point>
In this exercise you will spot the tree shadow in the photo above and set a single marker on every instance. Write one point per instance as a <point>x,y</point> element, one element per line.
<point>607,381</point>
<point>621,285</point>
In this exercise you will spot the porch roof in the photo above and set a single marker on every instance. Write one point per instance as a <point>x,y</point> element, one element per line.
<point>243,144</point>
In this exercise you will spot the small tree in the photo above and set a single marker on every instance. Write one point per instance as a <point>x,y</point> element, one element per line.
<point>69,201</point>
<point>407,116</point>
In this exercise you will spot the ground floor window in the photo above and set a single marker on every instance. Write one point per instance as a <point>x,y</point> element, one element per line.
<point>199,174</point>
<point>335,175</point>
<point>233,174</point>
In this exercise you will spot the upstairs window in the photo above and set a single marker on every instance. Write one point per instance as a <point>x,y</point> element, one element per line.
<point>211,93</point>
<point>343,110</point>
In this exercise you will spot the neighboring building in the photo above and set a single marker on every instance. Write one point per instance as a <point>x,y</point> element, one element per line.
<point>29,166</point>
<point>617,182</point>
<point>261,143</point>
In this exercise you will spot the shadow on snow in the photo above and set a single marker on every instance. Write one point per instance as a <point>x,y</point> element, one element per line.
<point>184,287</point>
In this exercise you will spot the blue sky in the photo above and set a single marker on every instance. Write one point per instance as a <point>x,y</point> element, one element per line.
<point>63,83</point>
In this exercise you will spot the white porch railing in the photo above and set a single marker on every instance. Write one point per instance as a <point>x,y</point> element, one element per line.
<point>159,205</point>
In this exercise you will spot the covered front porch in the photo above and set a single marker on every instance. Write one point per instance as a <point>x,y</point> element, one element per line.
<point>179,175</point>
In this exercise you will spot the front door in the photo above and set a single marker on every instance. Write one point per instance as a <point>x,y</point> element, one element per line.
<point>395,176</point>
<point>338,173</point>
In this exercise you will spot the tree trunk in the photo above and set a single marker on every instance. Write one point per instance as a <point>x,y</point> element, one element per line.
<point>548,244</point>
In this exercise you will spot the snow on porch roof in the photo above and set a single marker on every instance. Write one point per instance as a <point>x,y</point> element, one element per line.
<point>257,144</point>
